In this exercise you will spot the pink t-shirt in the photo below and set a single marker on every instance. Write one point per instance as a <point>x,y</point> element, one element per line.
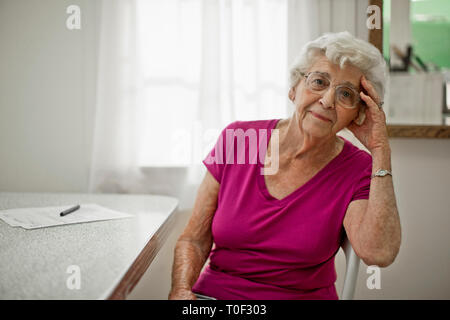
<point>265,248</point>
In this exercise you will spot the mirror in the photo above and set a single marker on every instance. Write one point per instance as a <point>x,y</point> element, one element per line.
<point>414,42</point>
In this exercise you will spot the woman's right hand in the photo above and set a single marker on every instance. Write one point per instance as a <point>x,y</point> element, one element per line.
<point>182,294</point>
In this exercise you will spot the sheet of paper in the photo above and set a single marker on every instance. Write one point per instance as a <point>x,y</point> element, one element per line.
<point>33,218</point>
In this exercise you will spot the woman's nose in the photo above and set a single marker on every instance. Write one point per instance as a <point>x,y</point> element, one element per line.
<point>327,99</point>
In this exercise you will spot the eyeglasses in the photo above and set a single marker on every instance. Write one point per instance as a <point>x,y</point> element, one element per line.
<point>345,96</point>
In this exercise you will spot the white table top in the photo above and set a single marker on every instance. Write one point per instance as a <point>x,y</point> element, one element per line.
<point>34,263</point>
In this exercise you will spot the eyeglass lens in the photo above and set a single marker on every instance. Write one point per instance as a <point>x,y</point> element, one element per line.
<point>343,94</point>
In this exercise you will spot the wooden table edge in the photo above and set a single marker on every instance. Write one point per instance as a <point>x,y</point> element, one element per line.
<point>144,259</point>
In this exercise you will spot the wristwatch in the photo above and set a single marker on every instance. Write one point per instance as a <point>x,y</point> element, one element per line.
<point>381,173</point>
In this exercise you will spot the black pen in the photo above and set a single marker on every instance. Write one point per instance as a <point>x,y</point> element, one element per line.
<point>70,210</point>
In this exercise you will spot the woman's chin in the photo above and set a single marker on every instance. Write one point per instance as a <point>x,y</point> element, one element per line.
<point>315,130</point>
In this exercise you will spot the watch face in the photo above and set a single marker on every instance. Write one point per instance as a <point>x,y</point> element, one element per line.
<point>383,172</point>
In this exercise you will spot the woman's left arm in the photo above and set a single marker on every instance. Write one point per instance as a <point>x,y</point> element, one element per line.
<point>376,233</point>
<point>379,232</point>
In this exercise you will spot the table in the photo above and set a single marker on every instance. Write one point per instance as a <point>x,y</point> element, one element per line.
<point>109,257</point>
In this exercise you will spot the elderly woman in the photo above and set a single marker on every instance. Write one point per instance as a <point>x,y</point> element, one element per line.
<point>276,235</point>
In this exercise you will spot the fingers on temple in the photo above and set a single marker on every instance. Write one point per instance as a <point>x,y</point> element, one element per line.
<point>370,90</point>
<point>369,101</point>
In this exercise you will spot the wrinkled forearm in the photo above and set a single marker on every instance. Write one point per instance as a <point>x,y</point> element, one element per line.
<point>188,263</point>
<point>380,231</point>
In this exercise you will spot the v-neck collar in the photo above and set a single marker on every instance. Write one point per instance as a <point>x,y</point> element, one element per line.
<point>262,183</point>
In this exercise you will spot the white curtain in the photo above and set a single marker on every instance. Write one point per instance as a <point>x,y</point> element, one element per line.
<point>173,73</point>
<point>308,19</point>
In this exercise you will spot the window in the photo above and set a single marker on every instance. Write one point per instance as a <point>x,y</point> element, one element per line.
<point>200,60</point>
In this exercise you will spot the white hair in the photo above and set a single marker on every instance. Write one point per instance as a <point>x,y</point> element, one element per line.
<point>341,48</point>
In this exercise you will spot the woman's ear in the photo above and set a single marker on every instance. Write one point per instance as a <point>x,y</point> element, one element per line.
<point>361,116</point>
<point>292,94</point>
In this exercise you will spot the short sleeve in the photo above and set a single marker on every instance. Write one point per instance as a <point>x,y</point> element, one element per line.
<point>215,160</point>
<point>362,184</point>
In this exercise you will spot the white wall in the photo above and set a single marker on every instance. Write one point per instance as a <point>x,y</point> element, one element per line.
<point>47,87</point>
<point>421,169</point>
<point>47,94</point>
